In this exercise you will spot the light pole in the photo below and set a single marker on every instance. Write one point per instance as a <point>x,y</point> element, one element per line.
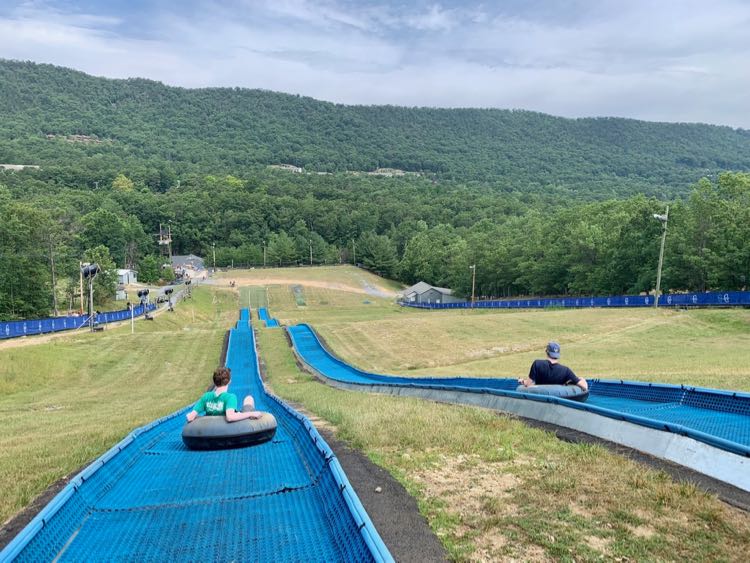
<point>213,247</point>
<point>310,241</point>
<point>664,219</point>
<point>264,254</point>
<point>89,272</point>
<point>473,269</point>
<point>354,252</point>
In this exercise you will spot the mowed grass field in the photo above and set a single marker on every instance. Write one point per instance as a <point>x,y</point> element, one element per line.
<point>491,487</point>
<point>704,347</point>
<point>66,401</point>
<point>494,489</point>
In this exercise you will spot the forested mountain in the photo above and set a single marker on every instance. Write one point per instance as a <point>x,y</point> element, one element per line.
<point>224,130</point>
<point>539,205</point>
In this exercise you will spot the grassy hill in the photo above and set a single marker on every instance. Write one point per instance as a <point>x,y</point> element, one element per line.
<point>52,115</point>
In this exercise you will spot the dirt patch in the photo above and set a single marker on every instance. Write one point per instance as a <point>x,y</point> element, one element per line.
<point>274,280</point>
<point>599,544</point>
<point>642,531</point>
<point>472,487</point>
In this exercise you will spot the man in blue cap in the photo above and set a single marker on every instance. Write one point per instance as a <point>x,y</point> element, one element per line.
<point>552,372</point>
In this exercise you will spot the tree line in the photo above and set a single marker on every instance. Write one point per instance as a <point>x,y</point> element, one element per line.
<point>408,228</point>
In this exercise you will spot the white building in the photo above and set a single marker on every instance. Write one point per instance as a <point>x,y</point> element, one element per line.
<point>125,277</point>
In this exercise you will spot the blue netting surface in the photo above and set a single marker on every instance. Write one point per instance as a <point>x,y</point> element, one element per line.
<point>155,500</point>
<point>721,418</point>
<point>266,318</point>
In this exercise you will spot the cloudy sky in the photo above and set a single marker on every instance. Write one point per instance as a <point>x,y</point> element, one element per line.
<point>659,60</point>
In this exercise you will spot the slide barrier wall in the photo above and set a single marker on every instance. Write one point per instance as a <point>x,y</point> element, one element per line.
<point>720,419</point>
<point>151,499</point>
<point>715,299</point>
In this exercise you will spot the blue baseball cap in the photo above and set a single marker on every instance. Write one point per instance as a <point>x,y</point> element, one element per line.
<point>553,350</point>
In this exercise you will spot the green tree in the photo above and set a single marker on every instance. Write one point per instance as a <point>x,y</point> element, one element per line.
<point>377,253</point>
<point>122,184</point>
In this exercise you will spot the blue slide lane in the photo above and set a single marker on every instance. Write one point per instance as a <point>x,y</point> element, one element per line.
<point>266,318</point>
<point>719,418</point>
<point>151,499</point>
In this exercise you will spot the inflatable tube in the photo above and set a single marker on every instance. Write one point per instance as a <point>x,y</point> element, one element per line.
<point>215,433</point>
<point>571,392</point>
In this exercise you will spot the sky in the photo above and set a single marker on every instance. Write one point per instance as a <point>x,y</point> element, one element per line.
<point>657,60</point>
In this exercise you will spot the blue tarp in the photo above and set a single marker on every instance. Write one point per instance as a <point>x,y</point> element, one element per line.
<point>151,499</point>
<point>13,329</point>
<point>720,418</point>
<point>713,299</point>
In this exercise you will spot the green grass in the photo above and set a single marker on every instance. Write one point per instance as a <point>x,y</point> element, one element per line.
<point>493,488</point>
<point>66,401</point>
<point>490,487</point>
<point>708,348</point>
<point>253,297</point>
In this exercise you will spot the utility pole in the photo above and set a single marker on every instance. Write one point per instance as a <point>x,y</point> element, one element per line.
<point>264,254</point>
<point>213,247</point>
<point>664,219</point>
<point>80,269</point>
<point>473,269</point>
<point>169,241</point>
<point>54,277</point>
<point>354,251</point>
<point>310,241</point>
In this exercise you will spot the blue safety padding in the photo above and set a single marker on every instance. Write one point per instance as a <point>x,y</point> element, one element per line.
<point>14,329</point>
<point>707,299</point>
<point>151,499</point>
<point>266,318</point>
<point>719,418</point>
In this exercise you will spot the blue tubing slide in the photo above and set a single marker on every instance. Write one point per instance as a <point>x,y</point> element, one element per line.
<point>151,499</point>
<point>264,316</point>
<point>650,417</point>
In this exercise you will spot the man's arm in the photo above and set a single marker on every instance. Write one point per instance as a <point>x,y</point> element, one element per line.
<point>529,381</point>
<point>579,381</point>
<point>233,416</point>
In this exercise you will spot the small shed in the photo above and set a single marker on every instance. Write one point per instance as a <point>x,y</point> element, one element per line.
<point>126,276</point>
<point>423,292</point>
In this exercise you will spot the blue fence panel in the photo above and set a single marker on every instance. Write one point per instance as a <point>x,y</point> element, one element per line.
<point>708,299</point>
<point>14,329</point>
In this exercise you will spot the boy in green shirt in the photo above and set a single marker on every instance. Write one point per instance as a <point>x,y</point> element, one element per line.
<point>220,402</point>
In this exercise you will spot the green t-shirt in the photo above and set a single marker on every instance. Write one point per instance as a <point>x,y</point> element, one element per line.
<point>213,405</point>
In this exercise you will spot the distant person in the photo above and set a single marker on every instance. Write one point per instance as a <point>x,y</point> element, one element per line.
<point>551,372</point>
<point>220,402</point>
